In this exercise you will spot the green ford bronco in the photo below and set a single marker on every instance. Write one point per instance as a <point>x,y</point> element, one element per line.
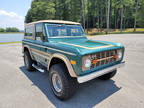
<point>62,49</point>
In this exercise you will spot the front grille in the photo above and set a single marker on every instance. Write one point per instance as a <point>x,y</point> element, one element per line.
<point>103,58</point>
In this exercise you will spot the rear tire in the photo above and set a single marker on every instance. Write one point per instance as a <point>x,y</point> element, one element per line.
<point>28,61</point>
<point>108,75</point>
<point>66,85</point>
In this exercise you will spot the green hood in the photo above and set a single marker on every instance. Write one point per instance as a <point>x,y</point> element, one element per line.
<point>85,46</point>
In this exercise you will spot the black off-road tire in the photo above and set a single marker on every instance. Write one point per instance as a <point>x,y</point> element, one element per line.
<point>108,75</point>
<point>29,67</point>
<point>69,84</point>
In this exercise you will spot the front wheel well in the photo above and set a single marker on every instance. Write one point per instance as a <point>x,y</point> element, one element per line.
<point>59,58</point>
<point>56,60</point>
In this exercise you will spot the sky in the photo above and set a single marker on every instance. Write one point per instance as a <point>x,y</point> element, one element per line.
<point>12,13</point>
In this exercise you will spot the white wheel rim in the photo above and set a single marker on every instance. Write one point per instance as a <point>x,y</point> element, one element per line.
<point>57,83</point>
<point>26,61</point>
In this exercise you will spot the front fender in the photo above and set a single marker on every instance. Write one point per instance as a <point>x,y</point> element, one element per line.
<point>66,61</point>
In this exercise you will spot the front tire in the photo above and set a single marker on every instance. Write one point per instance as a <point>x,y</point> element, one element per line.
<point>28,61</point>
<point>62,85</point>
<point>108,75</point>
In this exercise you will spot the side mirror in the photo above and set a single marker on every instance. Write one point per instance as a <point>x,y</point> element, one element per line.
<point>43,38</point>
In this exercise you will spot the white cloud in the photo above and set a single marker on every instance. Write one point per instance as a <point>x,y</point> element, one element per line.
<point>11,19</point>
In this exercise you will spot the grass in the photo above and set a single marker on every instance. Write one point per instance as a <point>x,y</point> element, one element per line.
<point>2,43</point>
<point>114,31</point>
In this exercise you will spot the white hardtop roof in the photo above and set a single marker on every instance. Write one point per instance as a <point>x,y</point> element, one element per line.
<point>53,21</point>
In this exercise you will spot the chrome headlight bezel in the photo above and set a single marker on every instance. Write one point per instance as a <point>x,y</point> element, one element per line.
<point>86,62</point>
<point>120,54</point>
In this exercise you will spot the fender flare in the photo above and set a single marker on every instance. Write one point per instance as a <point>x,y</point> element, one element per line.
<point>26,46</point>
<point>66,61</point>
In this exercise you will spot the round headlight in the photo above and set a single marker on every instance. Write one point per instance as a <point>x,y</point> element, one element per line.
<point>87,63</point>
<point>119,55</point>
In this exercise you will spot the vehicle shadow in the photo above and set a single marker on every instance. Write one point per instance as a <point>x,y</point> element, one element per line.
<point>88,95</point>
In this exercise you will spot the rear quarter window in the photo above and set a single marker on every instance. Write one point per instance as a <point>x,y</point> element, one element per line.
<point>29,30</point>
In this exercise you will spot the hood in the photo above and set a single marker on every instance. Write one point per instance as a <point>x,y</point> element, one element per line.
<point>85,46</point>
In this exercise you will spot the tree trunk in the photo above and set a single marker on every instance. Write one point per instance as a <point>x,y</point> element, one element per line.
<point>83,13</point>
<point>101,20</point>
<point>56,11</point>
<point>88,16</point>
<point>115,14</point>
<point>93,7</point>
<point>98,24</point>
<point>136,15</point>
<point>110,17</point>
<point>121,26</point>
<point>98,20</point>
<point>124,19</point>
<point>124,27</point>
<point>108,14</point>
<point>118,19</point>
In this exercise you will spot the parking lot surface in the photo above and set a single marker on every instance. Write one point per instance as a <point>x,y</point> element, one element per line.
<point>21,89</point>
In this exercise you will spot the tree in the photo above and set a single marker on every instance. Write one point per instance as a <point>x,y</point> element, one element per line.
<point>87,16</point>
<point>83,13</point>
<point>2,30</point>
<point>40,10</point>
<point>12,29</point>
<point>140,16</point>
<point>100,14</point>
<point>121,25</point>
<point>108,16</point>
<point>136,15</point>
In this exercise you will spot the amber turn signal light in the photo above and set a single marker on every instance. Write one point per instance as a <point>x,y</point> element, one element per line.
<point>72,62</point>
<point>94,61</point>
<point>115,56</point>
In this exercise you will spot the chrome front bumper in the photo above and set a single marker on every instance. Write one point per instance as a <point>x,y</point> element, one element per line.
<point>85,78</point>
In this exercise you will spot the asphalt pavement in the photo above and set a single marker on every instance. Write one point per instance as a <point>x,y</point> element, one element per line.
<point>21,89</point>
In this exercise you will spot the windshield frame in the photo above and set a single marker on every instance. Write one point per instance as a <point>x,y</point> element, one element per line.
<point>46,29</point>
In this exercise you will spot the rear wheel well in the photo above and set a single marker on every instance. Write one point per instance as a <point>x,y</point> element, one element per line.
<point>26,49</point>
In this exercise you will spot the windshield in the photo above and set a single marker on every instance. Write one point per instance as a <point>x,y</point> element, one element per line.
<point>59,30</point>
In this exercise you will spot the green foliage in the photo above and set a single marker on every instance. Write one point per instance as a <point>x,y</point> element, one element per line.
<point>9,29</point>
<point>140,17</point>
<point>54,9</point>
<point>12,29</point>
<point>2,30</point>
<point>40,10</point>
<point>95,12</point>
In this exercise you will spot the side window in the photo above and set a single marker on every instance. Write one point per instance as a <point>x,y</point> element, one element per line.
<point>39,32</point>
<point>29,31</point>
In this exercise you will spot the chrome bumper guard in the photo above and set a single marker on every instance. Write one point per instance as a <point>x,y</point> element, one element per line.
<point>85,78</point>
